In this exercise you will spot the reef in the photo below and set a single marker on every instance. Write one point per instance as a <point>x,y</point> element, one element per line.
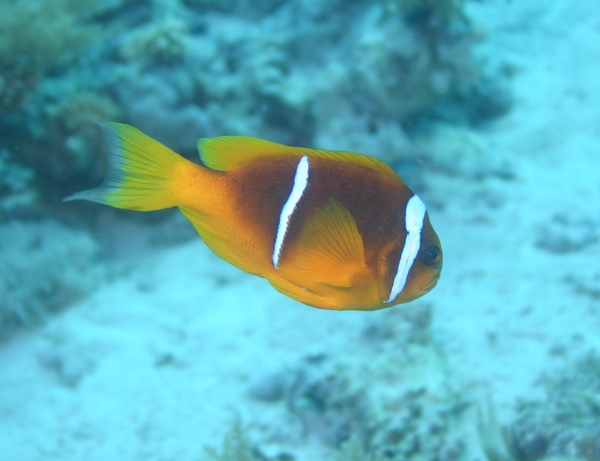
<point>44,267</point>
<point>236,446</point>
<point>567,421</point>
<point>412,414</point>
<point>362,76</point>
<point>564,425</point>
<point>50,92</point>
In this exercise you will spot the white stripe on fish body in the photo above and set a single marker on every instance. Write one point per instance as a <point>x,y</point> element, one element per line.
<point>414,217</point>
<point>300,183</point>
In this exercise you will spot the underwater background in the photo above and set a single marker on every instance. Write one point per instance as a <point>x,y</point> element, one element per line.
<point>124,338</point>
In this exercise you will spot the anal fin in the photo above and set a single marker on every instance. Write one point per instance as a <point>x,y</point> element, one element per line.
<point>298,293</point>
<point>216,243</point>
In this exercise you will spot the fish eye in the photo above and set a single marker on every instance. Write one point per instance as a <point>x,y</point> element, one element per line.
<point>431,255</point>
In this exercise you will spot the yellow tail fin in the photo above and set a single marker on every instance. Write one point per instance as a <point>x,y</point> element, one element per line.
<point>141,172</point>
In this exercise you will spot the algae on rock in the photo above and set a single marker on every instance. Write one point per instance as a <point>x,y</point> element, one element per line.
<point>44,267</point>
<point>412,414</point>
<point>567,422</point>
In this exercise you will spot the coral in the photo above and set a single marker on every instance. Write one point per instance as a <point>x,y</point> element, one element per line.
<point>37,37</point>
<point>412,414</point>
<point>567,422</point>
<point>293,84</point>
<point>15,185</point>
<point>67,144</point>
<point>423,429</point>
<point>162,105</point>
<point>236,446</point>
<point>415,60</point>
<point>551,431</point>
<point>354,451</point>
<point>252,10</point>
<point>47,104</point>
<point>393,69</point>
<point>358,76</point>
<point>163,41</point>
<point>329,403</point>
<point>491,436</point>
<point>44,267</point>
<point>442,10</point>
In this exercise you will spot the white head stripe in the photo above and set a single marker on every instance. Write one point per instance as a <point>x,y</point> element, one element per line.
<point>300,183</point>
<point>415,214</point>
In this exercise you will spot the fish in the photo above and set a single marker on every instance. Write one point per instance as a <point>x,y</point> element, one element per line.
<point>331,229</point>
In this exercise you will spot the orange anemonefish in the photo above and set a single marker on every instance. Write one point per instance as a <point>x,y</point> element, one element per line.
<point>331,229</point>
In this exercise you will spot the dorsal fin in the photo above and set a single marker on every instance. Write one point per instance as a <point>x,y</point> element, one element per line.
<point>329,247</point>
<point>226,152</point>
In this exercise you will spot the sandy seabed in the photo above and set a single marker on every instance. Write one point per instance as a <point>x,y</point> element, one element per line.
<point>156,364</point>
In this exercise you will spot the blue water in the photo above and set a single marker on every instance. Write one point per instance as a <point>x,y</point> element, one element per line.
<point>124,337</point>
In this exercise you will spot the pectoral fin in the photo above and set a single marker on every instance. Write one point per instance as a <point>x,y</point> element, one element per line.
<point>330,249</point>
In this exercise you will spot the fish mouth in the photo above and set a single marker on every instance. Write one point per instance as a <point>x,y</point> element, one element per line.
<point>431,283</point>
